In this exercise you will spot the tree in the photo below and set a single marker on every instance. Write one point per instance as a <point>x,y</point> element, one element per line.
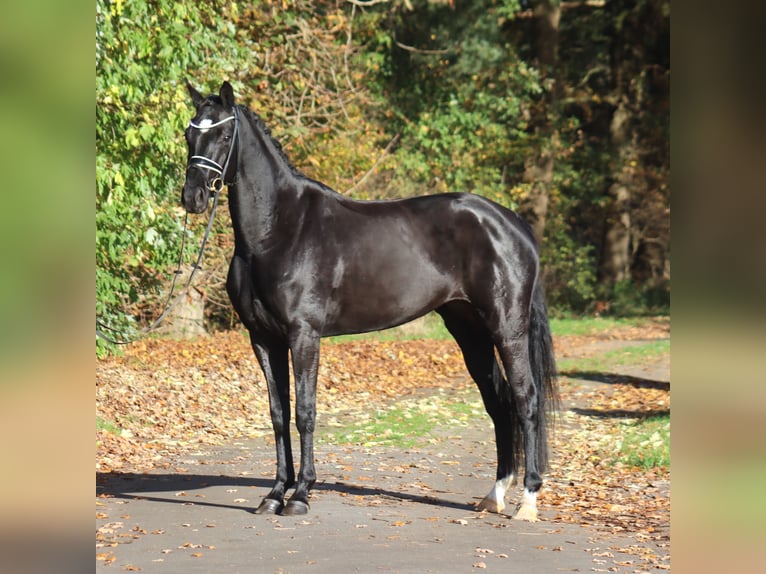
<point>639,53</point>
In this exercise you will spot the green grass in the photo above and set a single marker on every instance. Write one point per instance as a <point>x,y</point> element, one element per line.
<point>108,426</point>
<point>430,326</point>
<point>633,354</point>
<point>645,443</point>
<point>405,424</point>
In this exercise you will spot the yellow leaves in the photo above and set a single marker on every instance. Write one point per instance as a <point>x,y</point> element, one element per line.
<point>107,557</point>
<point>117,7</point>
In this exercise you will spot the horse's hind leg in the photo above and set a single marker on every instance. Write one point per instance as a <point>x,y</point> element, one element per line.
<point>514,352</point>
<point>478,350</point>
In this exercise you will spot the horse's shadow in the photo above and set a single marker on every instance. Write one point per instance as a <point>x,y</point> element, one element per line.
<point>134,486</point>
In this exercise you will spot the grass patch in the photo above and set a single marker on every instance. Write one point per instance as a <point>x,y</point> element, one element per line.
<point>630,355</point>
<point>110,427</point>
<point>430,326</point>
<point>404,424</point>
<point>645,443</point>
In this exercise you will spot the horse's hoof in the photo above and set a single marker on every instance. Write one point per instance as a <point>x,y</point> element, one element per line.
<point>295,508</point>
<point>270,506</point>
<point>528,513</point>
<point>491,505</point>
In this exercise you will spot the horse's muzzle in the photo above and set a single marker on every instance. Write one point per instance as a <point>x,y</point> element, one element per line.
<point>195,199</point>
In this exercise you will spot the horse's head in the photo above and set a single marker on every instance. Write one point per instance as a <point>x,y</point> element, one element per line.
<point>211,137</point>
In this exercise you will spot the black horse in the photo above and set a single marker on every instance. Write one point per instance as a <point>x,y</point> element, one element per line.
<point>310,263</point>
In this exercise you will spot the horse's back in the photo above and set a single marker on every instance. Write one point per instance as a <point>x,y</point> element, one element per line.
<point>399,259</point>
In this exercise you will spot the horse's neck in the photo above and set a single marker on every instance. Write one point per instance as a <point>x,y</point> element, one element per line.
<point>254,198</point>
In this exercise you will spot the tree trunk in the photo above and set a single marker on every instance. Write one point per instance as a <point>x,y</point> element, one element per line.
<point>615,263</point>
<point>186,319</point>
<point>615,255</point>
<point>538,170</point>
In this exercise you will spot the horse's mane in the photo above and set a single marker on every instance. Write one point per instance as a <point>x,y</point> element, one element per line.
<point>262,127</point>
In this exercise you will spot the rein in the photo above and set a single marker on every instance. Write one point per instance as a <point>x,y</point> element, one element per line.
<point>216,185</point>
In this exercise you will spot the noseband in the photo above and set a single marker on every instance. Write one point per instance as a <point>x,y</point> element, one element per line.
<point>208,164</point>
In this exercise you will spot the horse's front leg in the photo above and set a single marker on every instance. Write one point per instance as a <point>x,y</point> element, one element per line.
<point>305,354</point>
<point>274,363</point>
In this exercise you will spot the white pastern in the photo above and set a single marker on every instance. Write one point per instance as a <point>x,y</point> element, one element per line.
<point>495,500</point>
<point>528,509</point>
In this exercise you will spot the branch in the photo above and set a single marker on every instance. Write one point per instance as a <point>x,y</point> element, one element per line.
<point>366,3</point>
<point>531,13</point>
<point>419,51</point>
<point>386,151</point>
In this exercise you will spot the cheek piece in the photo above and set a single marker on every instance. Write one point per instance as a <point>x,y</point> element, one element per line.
<point>202,162</point>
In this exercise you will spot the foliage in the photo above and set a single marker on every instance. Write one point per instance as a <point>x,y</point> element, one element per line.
<point>144,49</point>
<point>391,99</point>
<point>458,89</point>
<point>627,298</point>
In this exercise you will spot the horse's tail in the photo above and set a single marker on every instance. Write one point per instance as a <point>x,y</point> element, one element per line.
<point>544,374</point>
<point>543,368</point>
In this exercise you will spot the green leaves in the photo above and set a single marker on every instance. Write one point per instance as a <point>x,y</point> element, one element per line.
<point>143,50</point>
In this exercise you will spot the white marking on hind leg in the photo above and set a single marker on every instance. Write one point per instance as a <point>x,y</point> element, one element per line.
<point>495,500</point>
<point>528,509</point>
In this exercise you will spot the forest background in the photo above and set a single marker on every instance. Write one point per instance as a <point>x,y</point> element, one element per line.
<point>557,109</point>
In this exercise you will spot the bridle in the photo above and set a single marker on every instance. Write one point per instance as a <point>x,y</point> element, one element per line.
<point>202,162</point>
<point>216,185</point>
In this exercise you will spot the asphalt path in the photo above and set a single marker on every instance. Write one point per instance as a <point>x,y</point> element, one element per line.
<point>372,510</point>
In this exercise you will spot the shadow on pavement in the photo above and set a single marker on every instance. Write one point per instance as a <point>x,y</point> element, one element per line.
<point>135,486</point>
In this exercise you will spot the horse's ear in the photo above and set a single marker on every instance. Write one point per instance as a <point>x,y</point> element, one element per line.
<point>227,95</point>
<point>196,97</point>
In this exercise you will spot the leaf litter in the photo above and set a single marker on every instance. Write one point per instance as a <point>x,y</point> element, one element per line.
<point>167,397</point>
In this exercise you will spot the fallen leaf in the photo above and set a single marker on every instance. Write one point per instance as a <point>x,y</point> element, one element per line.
<point>107,557</point>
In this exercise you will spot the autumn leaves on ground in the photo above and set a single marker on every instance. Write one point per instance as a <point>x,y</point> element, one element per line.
<point>610,465</point>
